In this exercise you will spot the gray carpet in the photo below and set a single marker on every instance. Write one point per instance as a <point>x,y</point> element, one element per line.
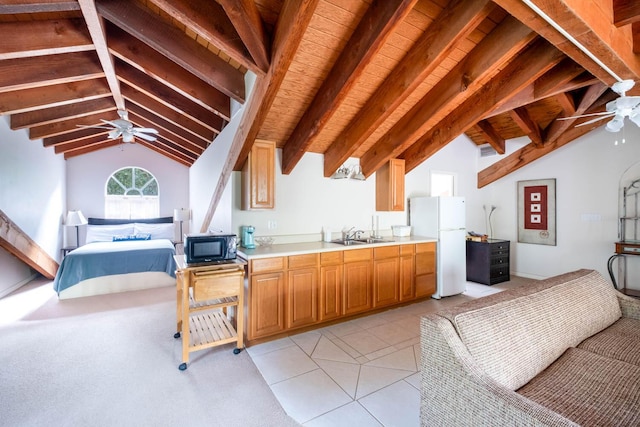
<point>119,368</point>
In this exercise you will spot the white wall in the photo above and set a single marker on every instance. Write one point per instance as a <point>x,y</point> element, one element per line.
<point>87,176</point>
<point>32,195</point>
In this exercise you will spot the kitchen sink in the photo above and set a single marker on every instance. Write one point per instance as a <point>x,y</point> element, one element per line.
<point>375,240</point>
<point>368,240</point>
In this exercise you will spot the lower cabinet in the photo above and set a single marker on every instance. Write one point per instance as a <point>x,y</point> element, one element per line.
<point>292,292</point>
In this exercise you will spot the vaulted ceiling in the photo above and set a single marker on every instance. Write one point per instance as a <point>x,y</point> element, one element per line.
<point>373,79</point>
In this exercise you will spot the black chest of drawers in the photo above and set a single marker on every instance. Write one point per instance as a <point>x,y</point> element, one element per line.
<point>488,262</point>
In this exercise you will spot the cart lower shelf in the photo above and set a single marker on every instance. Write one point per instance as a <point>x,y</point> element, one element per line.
<point>210,328</point>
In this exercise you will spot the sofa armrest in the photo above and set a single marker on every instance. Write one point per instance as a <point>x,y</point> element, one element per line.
<point>455,391</point>
<point>630,307</point>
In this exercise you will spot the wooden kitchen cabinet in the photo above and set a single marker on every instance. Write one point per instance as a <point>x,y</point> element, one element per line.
<point>266,297</point>
<point>258,177</point>
<point>331,272</point>
<point>357,288</point>
<point>390,186</point>
<point>302,291</point>
<point>386,276</point>
<point>407,288</point>
<point>425,277</point>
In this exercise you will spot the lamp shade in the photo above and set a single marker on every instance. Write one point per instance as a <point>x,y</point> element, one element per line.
<point>181,215</point>
<point>75,218</point>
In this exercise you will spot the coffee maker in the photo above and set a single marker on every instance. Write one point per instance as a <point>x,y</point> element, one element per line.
<point>247,236</point>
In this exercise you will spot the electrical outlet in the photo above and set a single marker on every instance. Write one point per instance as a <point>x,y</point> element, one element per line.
<point>272,224</point>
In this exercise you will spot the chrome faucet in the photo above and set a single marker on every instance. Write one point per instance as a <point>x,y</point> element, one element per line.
<point>351,235</point>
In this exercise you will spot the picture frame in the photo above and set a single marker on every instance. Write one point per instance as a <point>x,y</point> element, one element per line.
<point>537,211</point>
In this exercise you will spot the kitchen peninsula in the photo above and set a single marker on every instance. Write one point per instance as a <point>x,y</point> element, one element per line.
<point>297,286</point>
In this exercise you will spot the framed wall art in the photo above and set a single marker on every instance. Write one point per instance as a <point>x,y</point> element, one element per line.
<point>537,212</point>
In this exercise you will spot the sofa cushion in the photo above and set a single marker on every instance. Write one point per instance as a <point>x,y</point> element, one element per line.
<point>620,341</point>
<point>589,389</point>
<point>515,339</point>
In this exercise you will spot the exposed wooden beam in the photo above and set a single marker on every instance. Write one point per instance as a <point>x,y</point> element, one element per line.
<point>490,55</point>
<point>141,56</point>
<point>19,101</point>
<point>91,148</point>
<point>519,73</point>
<point>66,112</point>
<point>37,6</point>
<point>635,31</point>
<point>456,21</point>
<point>80,134</point>
<point>588,23</point>
<point>46,37</point>
<point>625,12</point>
<point>96,30</point>
<point>558,127</point>
<point>246,19</point>
<point>28,73</point>
<point>567,103</point>
<point>491,136</point>
<point>66,126</point>
<point>19,244</point>
<point>292,24</point>
<point>175,45</point>
<point>524,121</point>
<point>377,24</point>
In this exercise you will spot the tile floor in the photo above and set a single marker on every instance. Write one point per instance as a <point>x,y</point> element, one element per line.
<point>362,372</point>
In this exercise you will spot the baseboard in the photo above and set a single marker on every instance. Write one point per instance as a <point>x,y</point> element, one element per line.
<point>18,285</point>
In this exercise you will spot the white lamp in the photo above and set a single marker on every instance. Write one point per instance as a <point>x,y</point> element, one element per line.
<point>76,219</point>
<point>181,215</point>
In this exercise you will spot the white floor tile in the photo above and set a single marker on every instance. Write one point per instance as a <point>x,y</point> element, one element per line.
<point>327,350</point>
<point>395,405</point>
<point>346,375</point>
<point>280,365</point>
<point>373,379</point>
<point>351,415</point>
<point>364,342</point>
<point>267,347</point>
<point>396,332</point>
<point>414,380</point>
<point>307,341</point>
<point>404,359</point>
<point>309,395</point>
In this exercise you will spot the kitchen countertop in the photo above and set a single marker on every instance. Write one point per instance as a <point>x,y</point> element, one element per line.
<point>287,249</point>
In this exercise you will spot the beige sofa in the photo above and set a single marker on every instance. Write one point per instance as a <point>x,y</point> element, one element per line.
<point>562,352</point>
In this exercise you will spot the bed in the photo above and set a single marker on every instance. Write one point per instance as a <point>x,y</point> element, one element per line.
<point>119,255</point>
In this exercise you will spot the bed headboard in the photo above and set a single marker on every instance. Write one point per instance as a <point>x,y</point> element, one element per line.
<point>109,221</point>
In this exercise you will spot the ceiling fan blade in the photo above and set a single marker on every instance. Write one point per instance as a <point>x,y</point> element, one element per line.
<point>147,130</point>
<point>93,127</point>
<point>145,136</point>
<point>604,113</point>
<point>588,122</point>
<point>114,124</point>
<point>115,133</point>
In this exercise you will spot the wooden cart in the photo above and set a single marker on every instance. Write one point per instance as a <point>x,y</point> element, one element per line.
<point>209,302</point>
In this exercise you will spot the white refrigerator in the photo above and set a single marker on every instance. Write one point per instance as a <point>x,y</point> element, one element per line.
<point>443,218</point>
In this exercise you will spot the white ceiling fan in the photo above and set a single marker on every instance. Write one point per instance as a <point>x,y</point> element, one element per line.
<point>618,109</point>
<point>123,127</point>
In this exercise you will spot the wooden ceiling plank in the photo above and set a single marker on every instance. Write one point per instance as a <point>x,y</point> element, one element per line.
<point>169,146</point>
<point>625,12</point>
<point>537,59</point>
<point>491,136</point>
<point>165,125</point>
<point>635,31</point>
<point>208,19</point>
<point>66,126</point>
<point>488,56</point>
<point>377,24</point>
<point>245,17</point>
<point>187,145</point>
<point>524,121</point>
<point>165,151</point>
<point>565,100</point>
<point>50,96</point>
<point>91,148</point>
<point>558,127</point>
<point>588,26</point>
<point>10,7</point>
<point>167,96</point>
<point>80,143</point>
<point>68,138</point>
<point>46,37</point>
<point>290,28</point>
<point>175,45</point>
<point>55,114</point>
<point>144,58</point>
<point>162,110</point>
<point>96,30</point>
<point>525,156</point>
<point>456,21</point>
<point>27,73</point>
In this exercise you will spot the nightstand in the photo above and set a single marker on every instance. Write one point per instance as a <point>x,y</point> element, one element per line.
<point>488,262</point>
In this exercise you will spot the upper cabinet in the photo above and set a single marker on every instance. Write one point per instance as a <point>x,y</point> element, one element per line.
<point>390,186</point>
<point>258,176</point>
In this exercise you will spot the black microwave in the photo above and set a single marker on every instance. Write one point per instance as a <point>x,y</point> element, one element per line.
<point>209,247</point>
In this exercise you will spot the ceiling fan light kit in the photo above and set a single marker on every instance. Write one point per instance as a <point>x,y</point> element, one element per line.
<point>123,127</point>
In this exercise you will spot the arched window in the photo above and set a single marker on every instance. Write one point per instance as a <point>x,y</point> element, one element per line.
<point>132,193</point>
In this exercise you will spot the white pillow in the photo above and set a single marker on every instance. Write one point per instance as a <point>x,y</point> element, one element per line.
<point>157,231</point>
<point>105,233</point>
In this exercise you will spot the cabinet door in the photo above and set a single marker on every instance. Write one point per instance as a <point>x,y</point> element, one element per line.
<point>302,297</point>
<point>267,304</point>
<point>407,282</point>
<point>390,186</point>
<point>425,269</point>
<point>385,282</point>
<point>258,177</point>
<point>357,287</point>
<point>330,292</point>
